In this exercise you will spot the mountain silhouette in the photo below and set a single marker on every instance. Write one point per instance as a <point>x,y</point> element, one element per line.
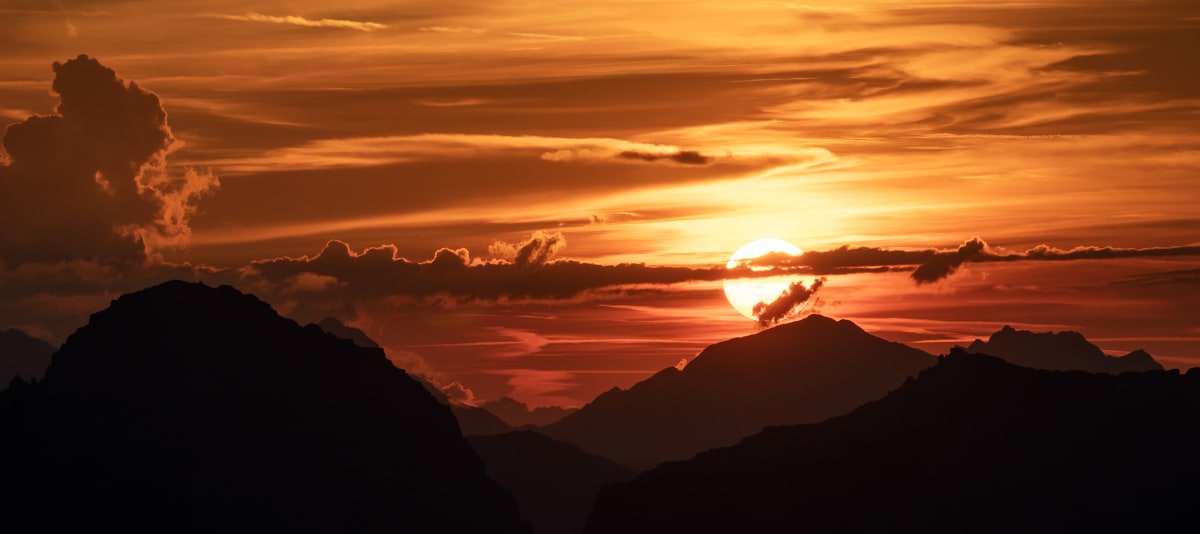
<point>974,444</point>
<point>22,355</point>
<point>1061,351</point>
<point>472,420</point>
<point>517,414</point>
<point>333,326</point>
<point>184,407</point>
<point>554,483</point>
<point>799,372</point>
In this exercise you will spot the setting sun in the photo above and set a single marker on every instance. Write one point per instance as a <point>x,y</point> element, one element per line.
<point>744,293</point>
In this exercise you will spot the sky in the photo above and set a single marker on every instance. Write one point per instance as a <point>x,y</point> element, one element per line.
<point>538,199</point>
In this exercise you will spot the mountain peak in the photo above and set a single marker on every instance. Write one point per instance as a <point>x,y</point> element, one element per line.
<point>186,389</point>
<point>798,372</point>
<point>1066,350</point>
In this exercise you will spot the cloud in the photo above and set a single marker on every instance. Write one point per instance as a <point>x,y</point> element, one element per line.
<point>686,157</point>
<point>459,394</point>
<point>451,29</point>
<point>90,181</point>
<point>536,250</point>
<point>944,264</point>
<point>1181,276</point>
<point>301,21</point>
<point>788,304</point>
<point>524,270</point>
<point>933,264</point>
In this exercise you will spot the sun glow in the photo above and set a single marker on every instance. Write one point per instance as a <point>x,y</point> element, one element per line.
<point>744,293</point>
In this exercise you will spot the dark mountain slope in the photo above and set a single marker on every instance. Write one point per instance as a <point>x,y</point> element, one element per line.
<point>972,445</point>
<point>800,372</point>
<point>554,483</point>
<point>22,355</point>
<point>189,408</point>
<point>472,420</point>
<point>1059,351</point>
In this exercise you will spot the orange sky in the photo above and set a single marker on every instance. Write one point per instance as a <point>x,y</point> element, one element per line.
<point>659,133</point>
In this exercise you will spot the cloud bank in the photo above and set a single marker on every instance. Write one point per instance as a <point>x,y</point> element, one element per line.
<point>90,182</point>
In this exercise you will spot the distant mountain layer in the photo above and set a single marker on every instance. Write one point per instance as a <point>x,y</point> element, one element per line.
<point>972,445</point>
<point>554,483</point>
<point>472,420</point>
<point>800,372</point>
<point>517,414</point>
<point>1059,351</point>
<point>22,355</point>
<point>189,408</point>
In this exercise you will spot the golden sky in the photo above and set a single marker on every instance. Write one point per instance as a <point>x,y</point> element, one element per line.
<point>600,133</point>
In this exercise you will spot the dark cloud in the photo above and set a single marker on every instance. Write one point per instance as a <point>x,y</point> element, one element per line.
<point>527,273</point>
<point>944,264</point>
<point>90,181</point>
<point>788,304</point>
<point>933,264</point>
<point>686,157</point>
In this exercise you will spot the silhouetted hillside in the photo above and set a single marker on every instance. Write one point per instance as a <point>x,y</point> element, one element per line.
<point>1061,351</point>
<point>472,421</point>
<point>972,445</point>
<point>554,483</point>
<point>517,414</point>
<point>22,355</point>
<point>475,421</point>
<point>799,372</point>
<point>340,329</point>
<point>189,408</point>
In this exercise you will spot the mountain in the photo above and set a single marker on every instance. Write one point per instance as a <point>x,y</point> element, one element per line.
<point>472,420</point>
<point>554,483</point>
<point>1059,351</point>
<point>476,421</point>
<point>184,407</point>
<point>973,444</point>
<point>517,414</point>
<point>798,372</point>
<point>342,330</point>
<point>22,355</point>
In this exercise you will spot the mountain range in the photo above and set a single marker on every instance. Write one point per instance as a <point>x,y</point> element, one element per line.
<point>800,372</point>
<point>22,355</point>
<point>517,414</point>
<point>184,407</point>
<point>973,444</point>
<point>1059,351</point>
<point>187,407</point>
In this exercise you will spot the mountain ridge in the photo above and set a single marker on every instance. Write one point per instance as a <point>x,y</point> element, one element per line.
<point>798,372</point>
<point>188,407</point>
<point>1059,351</point>
<point>972,443</point>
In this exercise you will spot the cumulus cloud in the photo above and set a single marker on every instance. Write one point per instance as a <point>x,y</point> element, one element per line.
<point>536,250</point>
<point>90,182</point>
<point>459,394</point>
<point>523,270</point>
<point>306,22</point>
<point>944,264</point>
<point>790,303</point>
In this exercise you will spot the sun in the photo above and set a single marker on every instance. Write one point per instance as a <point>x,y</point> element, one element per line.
<point>744,293</point>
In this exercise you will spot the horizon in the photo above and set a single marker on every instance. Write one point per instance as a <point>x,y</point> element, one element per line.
<point>540,201</point>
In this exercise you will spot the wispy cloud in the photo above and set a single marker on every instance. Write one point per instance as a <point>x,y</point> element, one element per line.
<point>451,29</point>
<point>295,20</point>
